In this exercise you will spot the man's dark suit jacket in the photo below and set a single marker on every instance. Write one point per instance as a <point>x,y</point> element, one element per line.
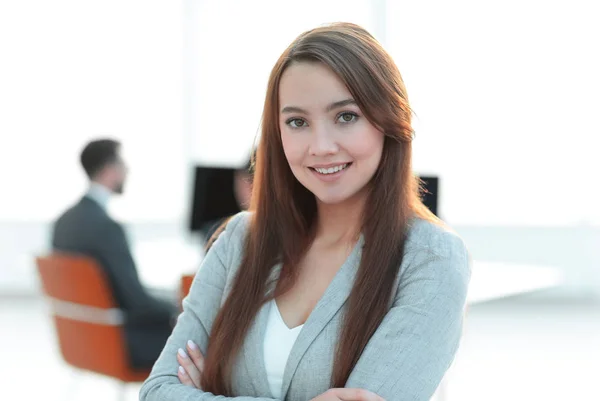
<point>87,229</point>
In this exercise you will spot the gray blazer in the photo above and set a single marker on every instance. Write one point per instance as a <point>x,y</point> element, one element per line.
<point>405,359</point>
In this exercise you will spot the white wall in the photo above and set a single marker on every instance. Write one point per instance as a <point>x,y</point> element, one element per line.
<point>506,95</point>
<point>75,70</point>
<point>231,49</point>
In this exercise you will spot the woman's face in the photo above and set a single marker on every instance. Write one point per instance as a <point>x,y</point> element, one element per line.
<point>332,149</point>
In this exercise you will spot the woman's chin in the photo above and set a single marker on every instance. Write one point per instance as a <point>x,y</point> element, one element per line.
<point>346,197</point>
<point>331,199</point>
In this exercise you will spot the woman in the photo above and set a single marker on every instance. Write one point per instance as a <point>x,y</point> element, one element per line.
<point>338,284</point>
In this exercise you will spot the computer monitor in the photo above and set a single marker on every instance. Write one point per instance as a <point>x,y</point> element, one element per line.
<point>213,197</point>
<point>430,193</point>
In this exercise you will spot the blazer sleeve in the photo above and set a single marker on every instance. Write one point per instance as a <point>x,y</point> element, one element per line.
<point>200,308</point>
<point>409,353</point>
<point>115,255</point>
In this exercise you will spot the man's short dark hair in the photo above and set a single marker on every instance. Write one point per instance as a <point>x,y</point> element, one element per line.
<point>98,154</point>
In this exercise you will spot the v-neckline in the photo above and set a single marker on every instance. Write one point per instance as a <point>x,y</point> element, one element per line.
<point>329,304</point>
<point>282,321</point>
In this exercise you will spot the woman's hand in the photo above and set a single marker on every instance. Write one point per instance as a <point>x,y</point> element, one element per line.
<point>348,394</point>
<point>191,365</point>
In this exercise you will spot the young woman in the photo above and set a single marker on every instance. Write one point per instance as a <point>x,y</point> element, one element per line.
<point>337,284</point>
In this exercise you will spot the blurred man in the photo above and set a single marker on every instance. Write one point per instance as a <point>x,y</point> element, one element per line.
<point>87,229</point>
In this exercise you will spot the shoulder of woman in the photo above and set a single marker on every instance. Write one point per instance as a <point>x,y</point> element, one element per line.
<point>435,244</point>
<point>238,224</point>
<point>229,239</point>
<point>435,237</point>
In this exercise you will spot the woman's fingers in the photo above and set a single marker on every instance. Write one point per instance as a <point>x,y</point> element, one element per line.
<point>348,394</point>
<point>184,378</point>
<point>356,394</point>
<point>196,355</point>
<point>189,367</point>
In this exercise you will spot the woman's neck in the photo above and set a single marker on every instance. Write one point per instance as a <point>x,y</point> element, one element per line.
<point>340,223</point>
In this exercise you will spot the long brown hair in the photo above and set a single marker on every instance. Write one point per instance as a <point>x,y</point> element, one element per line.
<point>284,212</point>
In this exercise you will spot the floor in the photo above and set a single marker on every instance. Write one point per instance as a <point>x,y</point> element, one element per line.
<point>520,349</point>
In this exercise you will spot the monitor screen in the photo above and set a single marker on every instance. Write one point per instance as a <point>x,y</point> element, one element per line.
<point>213,197</point>
<point>430,194</point>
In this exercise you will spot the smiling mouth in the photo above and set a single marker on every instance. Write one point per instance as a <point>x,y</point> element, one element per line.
<point>331,170</point>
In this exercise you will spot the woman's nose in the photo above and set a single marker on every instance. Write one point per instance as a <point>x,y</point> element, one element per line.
<point>323,142</point>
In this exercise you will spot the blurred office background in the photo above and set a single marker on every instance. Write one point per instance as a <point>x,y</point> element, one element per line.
<point>506,96</point>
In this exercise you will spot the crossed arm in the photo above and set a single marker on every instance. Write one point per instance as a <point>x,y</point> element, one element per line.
<point>191,365</point>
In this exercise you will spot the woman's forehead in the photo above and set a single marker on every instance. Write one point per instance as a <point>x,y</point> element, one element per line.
<point>310,86</point>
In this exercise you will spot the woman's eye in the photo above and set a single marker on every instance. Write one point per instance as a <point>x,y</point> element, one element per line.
<point>296,122</point>
<point>347,117</point>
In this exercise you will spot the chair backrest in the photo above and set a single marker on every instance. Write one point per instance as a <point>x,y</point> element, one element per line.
<point>185,285</point>
<point>88,323</point>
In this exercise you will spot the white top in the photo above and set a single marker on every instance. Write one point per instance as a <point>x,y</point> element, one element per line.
<point>279,340</point>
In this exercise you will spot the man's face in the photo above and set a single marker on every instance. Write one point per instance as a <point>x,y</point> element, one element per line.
<point>117,172</point>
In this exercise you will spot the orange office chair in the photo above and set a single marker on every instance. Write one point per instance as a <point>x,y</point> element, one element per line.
<point>88,323</point>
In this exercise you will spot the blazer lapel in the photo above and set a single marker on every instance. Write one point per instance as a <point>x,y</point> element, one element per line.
<point>254,353</point>
<point>330,303</point>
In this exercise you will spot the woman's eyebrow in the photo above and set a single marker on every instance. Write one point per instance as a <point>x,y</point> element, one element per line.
<point>332,106</point>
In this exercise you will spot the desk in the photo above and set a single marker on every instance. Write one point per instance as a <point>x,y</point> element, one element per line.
<point>161,263</point>
<point>496,280</point>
